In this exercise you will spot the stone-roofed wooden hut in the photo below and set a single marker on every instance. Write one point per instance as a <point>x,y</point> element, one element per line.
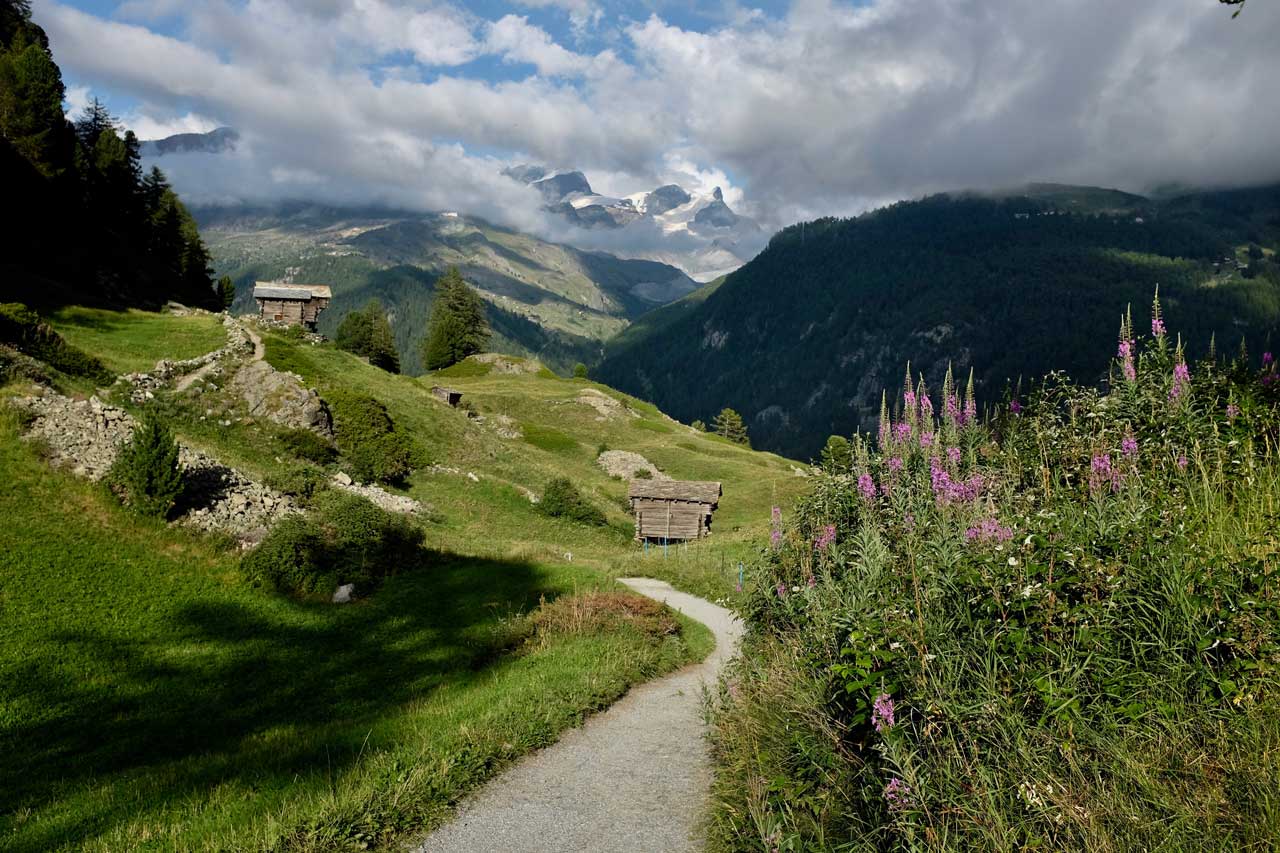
<point>673,510</point>
<point>296,304</point>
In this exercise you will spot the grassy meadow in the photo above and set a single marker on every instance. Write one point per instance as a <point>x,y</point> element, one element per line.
<point>151,698</point>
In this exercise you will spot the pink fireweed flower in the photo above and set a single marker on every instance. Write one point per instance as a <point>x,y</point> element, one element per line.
<point>926,408</point>
<point>781,589</point>
<point>1125,354</point>
<point>909,521</point>
<point>895,464</point>
<point>953,454</point>
<point>897,794</point>
<point>988,530</point>
<point>1157,327</point>
<point>1181,379</point>
<point>1129,446</point>
<point>970,410</point>
<point>882,712</point>
<point>867,486</point>
<point>926,440</point>
<point>947,491</point>
<point>1182,463</point>
<point>903,431</point>
<point>812,581</point>
<point>909,399</point>
<point>1267,359</point>
<point>1233,411</point>
<point>1015,406</point>
<point>825,538</point>
<point>775,528</point>
<point>951,405</point>
<point>1102,475</point>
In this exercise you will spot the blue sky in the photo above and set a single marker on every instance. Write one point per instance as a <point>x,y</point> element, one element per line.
<point>795,109</point>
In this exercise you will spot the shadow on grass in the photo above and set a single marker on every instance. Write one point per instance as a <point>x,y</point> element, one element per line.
<point>196,708</point>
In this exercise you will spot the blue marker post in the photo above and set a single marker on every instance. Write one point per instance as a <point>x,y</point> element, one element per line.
<point>740,577</point>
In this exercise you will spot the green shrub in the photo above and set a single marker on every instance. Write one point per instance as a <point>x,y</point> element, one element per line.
<point>146,473</point>
<point>305,444</point>
<point>579,371</point>
<point>302,482</point>
<point>699,425</point>
<point>561,499</point>
<point>342,539</point>
<point>642,474</point>
<point>21,328</point>
<point>368,440</point>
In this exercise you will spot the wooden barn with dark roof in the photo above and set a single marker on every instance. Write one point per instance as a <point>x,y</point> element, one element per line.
<point>296,304</point>
<point>673,510</point>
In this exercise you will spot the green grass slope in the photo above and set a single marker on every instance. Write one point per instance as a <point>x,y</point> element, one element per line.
<point>151,699</point>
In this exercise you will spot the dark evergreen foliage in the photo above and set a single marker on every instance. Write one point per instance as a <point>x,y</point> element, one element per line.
<point>367,333</point>
<point>146,473</point>
<point>226,292</point>
<point>457,327</point>
<point>93,229</point>
<point>729,425</point>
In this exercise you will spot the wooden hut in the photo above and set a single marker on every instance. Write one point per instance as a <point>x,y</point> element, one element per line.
<point>673,510</point>
<point>296,304</point>
<point>446,395</point>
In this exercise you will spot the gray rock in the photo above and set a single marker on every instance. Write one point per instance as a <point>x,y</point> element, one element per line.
<point>344,593</point>
<point>282,398</point>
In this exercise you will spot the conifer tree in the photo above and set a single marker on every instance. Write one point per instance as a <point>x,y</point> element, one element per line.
<point>367,333</point>
<point>226,292</point>
<point>457,327</point>
<point>730,425</point>
<point>147,471</point>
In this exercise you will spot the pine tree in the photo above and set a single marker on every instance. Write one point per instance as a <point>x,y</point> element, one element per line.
<point>730,425</point>
<point>457,327</point>
<point>147,471</point>
<point>31,94</point>
<point>368,333</point>
<point>226,292</point>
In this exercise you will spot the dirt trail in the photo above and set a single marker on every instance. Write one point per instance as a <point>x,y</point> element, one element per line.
<point>259,353</point>
<point>634,778</point>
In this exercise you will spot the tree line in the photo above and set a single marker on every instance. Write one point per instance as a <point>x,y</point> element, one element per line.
<point>94,227</point>
<point>457,328</point>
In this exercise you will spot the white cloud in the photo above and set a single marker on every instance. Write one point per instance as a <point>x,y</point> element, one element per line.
<point>147,126</point>
<point>823,111</point>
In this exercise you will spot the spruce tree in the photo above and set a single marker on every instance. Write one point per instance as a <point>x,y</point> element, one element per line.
<point>367,333</point>
<point>730,425</point>
<point>457,327</point>
<point>226,292</point>
<point>147,470</point>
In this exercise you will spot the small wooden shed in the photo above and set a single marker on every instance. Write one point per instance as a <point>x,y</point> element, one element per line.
<point>296,304</point>
<point>446,395</point>
<point>673,510</point>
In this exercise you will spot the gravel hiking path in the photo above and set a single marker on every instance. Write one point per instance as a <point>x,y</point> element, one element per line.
<point>634,778</point>
<point>259,353</point>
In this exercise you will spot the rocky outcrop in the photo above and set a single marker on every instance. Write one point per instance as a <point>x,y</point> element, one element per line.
<point>282,398</point>
<point>378,496</point>
<point>625,464</point>
<point>86,436</point>
<point>508,363</point>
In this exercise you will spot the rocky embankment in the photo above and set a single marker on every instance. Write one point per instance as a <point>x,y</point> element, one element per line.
<point>86,436</point>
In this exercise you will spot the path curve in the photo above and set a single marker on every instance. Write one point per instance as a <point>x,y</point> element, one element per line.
<point>634,778</point>
<point>259,353</point>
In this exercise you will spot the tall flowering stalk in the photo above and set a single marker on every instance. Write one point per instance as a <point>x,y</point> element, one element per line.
<point>826,537</point>
<point>1181,377</point>
<point>1157,319</point>
<point>882,712</point>
<point>775,528</point>
<point>1125,350</point>
<point>970,401</point>
<point>867,487</point>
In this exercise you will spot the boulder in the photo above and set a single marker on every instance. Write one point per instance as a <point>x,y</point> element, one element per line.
<point>344,593</point>
<point>281,398</point>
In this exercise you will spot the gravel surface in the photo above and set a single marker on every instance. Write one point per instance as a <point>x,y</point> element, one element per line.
<point>634,778</point>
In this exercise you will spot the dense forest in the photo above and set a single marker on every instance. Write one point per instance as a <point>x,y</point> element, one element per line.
<point>91,227</point>
<point>803,339</point>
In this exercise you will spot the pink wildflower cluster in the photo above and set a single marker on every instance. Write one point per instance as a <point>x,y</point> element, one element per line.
<point>1233,411</point>
<point>897,794</point>
<point>1129,446</point>
<point>882,712</point>
<point>867,487</point>
<point>775,528</point>
<point>825,538</point>
<point>953,455</point>
<point>1181,380</point>
<point>1103,475</point>
<point>895,464</point>
<point>988,530</point>
<point>1125,354</point>
<point>948,491</point>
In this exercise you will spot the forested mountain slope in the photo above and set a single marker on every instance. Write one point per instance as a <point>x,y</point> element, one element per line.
<point>803,339</point>
<point>545,299</point>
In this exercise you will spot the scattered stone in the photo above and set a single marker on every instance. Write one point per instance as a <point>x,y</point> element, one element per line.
<point>472,477</point>
<point>507,363</point>
<point>344,593</point>
<point>625,464</point>
<point>281,398</point>
<point>609,408</point>
<point>506,427</point>
<point>379,496</point>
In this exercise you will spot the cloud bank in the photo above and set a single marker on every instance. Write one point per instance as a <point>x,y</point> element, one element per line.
<point>826,108</point>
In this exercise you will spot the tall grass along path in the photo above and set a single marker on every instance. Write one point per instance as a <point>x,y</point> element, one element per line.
<point>634,778</point>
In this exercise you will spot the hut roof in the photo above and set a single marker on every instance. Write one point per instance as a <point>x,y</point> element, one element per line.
<point>676,490</point>
<point>277,290</point>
